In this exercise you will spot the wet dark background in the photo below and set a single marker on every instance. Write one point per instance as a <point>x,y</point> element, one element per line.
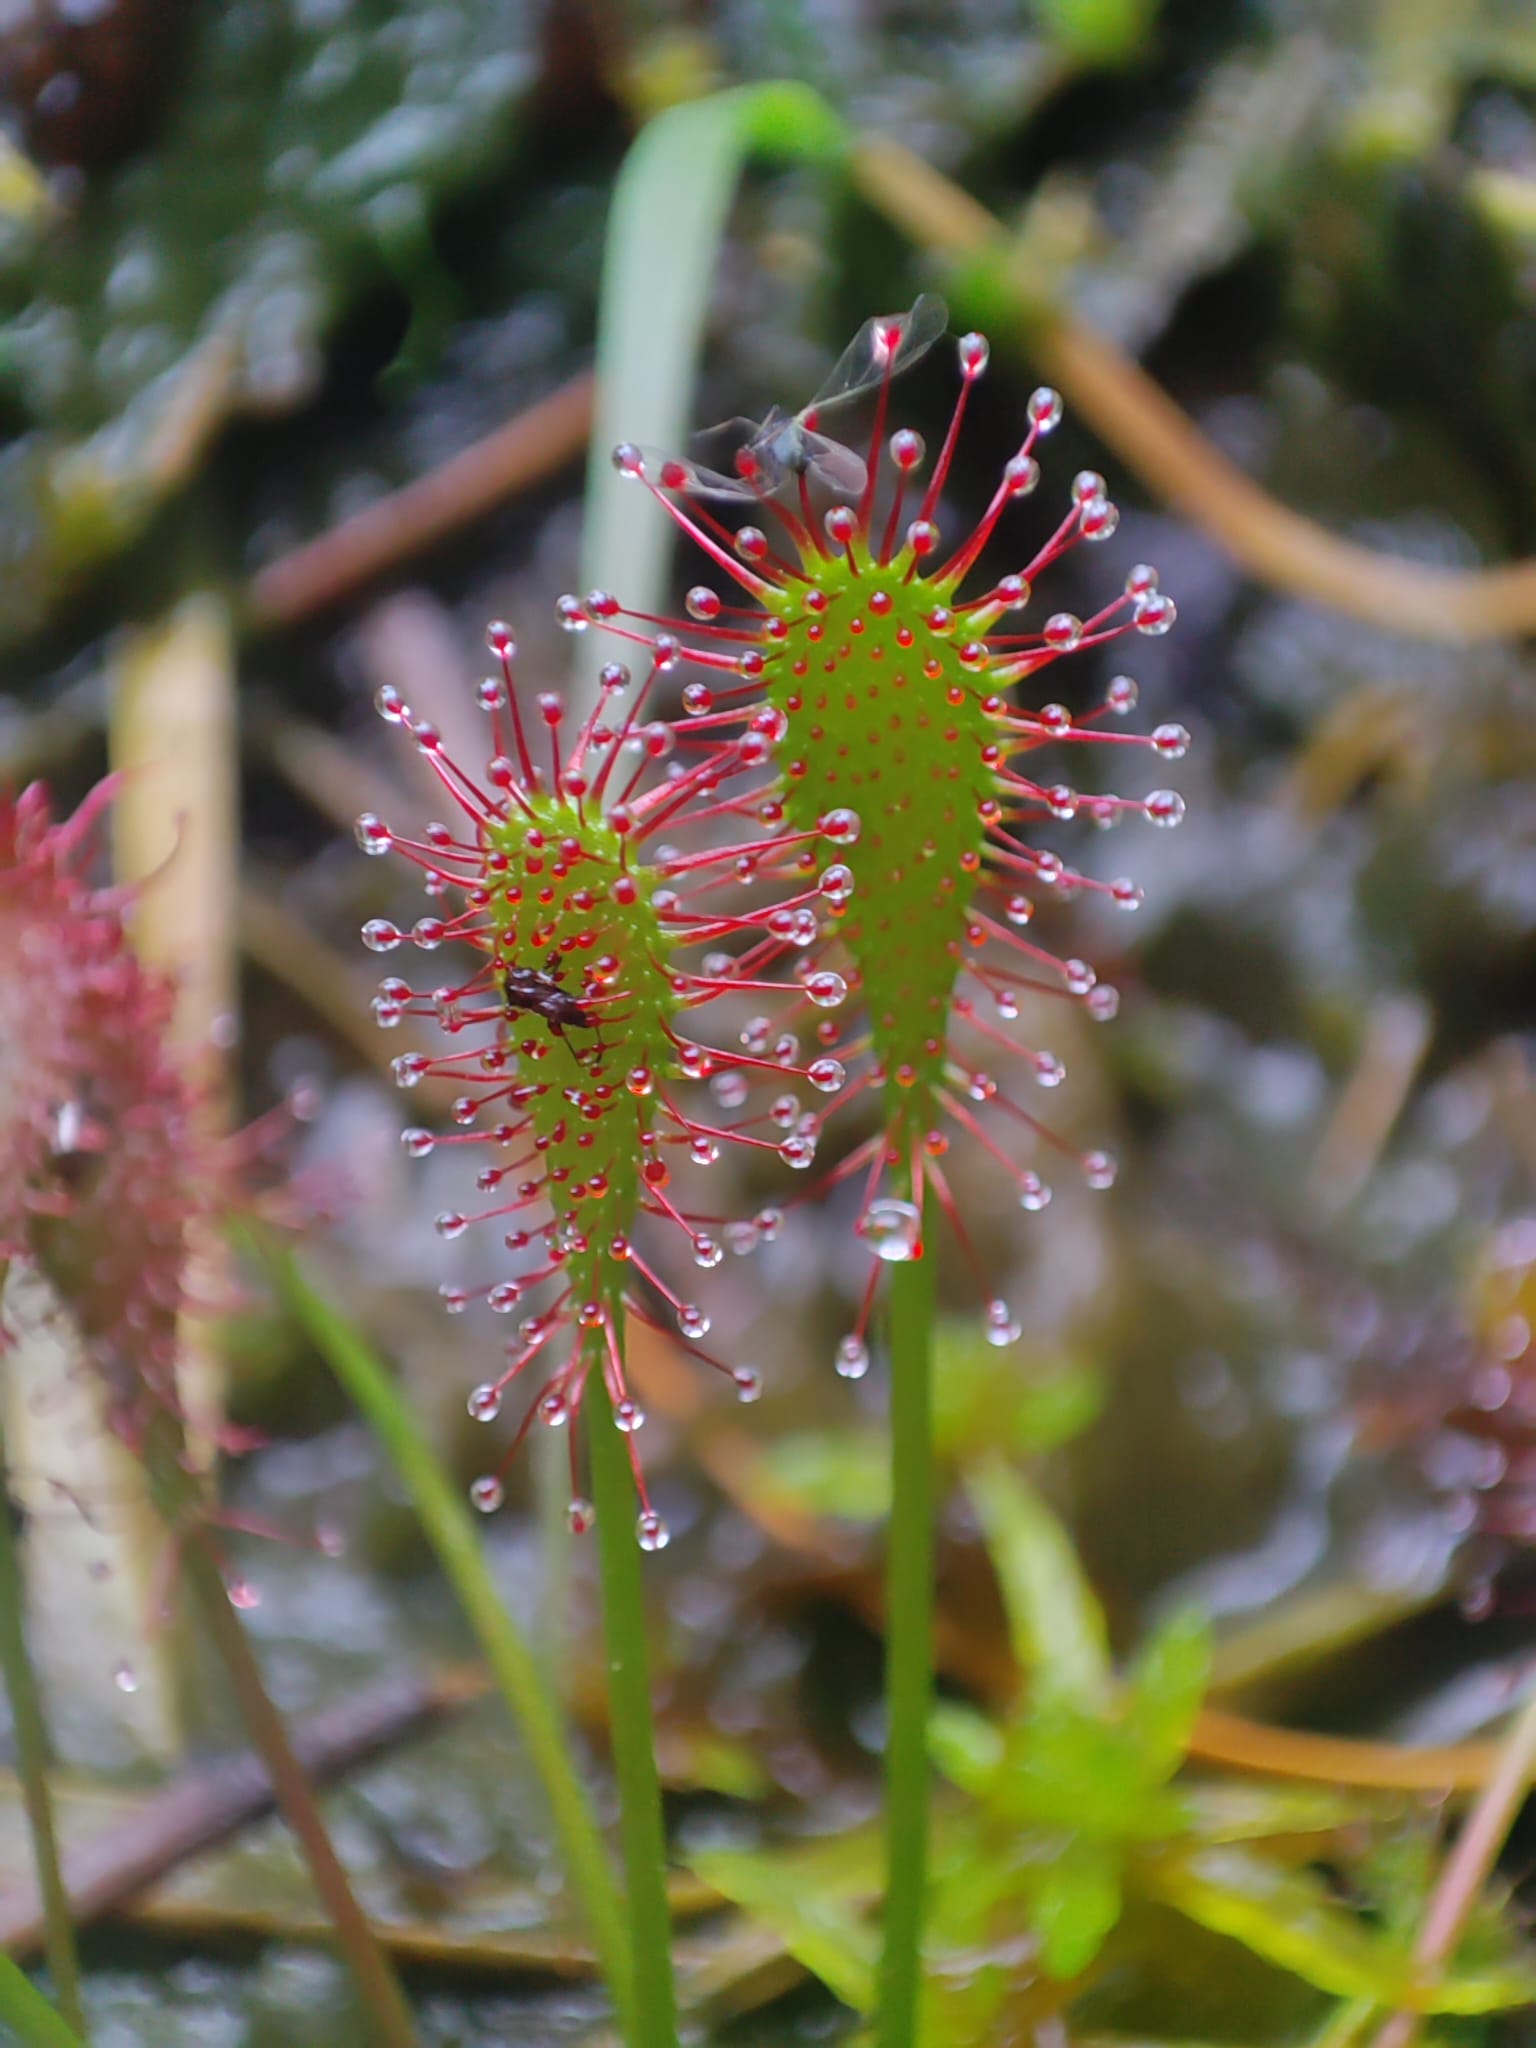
<point>288,256</point>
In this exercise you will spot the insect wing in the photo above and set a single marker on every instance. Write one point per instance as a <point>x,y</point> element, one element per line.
<point>885,345</point>
<point>677,473</point>
<point>837,466</point>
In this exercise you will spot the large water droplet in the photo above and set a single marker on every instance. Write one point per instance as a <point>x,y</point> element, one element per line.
<point>484,1403</point>
<point>1165,807</point>
<point>1003,1325</point>
<point>826,989</point>
<point>852,1358</point>
<point>1099,1169</point>
<point>652,1531</point>
<point>893,1229</point>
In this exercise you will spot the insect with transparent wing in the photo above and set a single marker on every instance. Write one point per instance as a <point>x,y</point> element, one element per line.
<point>783,445</point>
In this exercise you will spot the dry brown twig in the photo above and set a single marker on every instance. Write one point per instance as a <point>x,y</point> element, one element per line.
<point>530,447</point>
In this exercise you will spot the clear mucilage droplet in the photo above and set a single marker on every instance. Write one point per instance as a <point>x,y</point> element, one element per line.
<point>852,1357</point>
<point>1003,1325</point>
<point>892,1229</point>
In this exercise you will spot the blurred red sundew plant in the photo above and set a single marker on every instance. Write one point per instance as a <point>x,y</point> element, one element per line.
<point>106,1165</point>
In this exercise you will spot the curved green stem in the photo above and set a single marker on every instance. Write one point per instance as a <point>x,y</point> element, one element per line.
<point>908,1647</point>
<point>634,1735</point>
<point>32,1766</point>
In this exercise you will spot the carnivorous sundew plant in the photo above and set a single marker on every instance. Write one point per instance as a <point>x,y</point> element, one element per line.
<point>889,689</point>
<point>846,742</point>
<point>576,1008</point>
<point>579,1002</point>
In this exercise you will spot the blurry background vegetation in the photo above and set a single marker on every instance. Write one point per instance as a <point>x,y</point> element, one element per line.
<point>265,263</point>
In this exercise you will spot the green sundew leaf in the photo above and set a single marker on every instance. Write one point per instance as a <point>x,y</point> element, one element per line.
<point>965,1746</point>
<point>1396,1875</point>
<point>1076,1906</point>
<point>985,1401</point>
<point>670,204</point>
<point>1165,1688</point>
<point>1098,2040</point>
<point>1056,1624</point>
<point>1239,1811</point>
<point>976,1885</point>
<point>24,194</point>
<point>1346,2025</point>
<point>1287,1917</point>
<point>843,1472</point>
<point>823,1929</point>
<point>26,2017</point>
<point>1098,32</point>
<point>978,1402</point>
<point>1083,1772</point>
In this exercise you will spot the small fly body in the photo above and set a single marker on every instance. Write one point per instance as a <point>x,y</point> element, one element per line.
<point>784,445</point>
<point>525,991</point>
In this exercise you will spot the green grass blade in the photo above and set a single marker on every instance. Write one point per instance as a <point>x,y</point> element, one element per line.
<point>664,230</point>
<point>452,1534</point>
<point>26,2017</point>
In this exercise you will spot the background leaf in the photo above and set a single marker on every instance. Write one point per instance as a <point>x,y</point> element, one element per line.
<point>664,230</point>
<point>1056,1624</point>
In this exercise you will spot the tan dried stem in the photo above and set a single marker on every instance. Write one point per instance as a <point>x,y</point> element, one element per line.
<point>528,448</point>
<point>173,736</point>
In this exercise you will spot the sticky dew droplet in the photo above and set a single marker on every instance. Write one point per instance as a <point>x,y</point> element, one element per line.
<point>852,1357</point>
